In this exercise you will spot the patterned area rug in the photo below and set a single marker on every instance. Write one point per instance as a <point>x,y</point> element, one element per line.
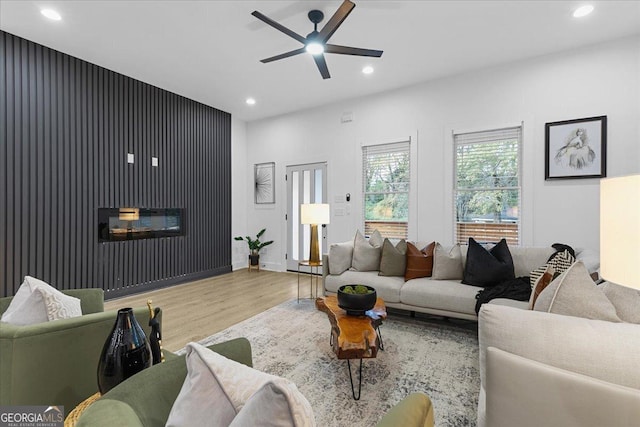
<point>292,340</point>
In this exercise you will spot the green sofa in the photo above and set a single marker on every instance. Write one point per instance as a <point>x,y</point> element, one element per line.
<point>146,398</point>
<point>55,363</point>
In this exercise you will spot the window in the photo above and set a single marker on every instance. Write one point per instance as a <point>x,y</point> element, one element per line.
<point>386,177</point>
<point>487,185</point>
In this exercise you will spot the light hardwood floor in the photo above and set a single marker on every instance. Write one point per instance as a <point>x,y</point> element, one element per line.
<point>195,310</point>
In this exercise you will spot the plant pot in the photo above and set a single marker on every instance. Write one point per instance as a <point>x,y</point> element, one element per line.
<point>356,304</point>
<point>254,259</point>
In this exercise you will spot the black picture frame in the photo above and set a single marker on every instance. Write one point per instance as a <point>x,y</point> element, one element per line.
<point>264,188</point>
<point>576,149</point>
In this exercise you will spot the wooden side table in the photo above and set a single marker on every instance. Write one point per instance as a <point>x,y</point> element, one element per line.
<point>311,265</point>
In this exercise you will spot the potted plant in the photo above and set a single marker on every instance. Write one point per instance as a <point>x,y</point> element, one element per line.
<point>254,246</point>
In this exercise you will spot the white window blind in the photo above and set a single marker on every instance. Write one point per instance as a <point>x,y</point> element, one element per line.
<point>487,185</point>
<point>385,179</point>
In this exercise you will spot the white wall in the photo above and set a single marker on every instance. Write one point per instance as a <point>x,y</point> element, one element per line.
<point>599,80</point>
<point>239,191</point>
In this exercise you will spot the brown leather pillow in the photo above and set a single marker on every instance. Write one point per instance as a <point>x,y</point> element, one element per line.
<point>419,262</point>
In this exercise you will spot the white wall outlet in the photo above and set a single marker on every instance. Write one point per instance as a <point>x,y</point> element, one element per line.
<point>130,158</point>
<point>154,162</point>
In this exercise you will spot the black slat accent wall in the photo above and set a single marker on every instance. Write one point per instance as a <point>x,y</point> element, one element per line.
<point>66,127</point>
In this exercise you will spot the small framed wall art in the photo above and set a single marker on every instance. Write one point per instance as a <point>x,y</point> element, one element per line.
<point>576,149</point>
<point>264,189</point>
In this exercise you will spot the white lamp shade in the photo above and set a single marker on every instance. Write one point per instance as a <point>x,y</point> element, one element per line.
<point>620,230</point>
<point>315,213</point>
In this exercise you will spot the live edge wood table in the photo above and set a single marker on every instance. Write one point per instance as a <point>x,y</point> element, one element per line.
<point>354,337</point>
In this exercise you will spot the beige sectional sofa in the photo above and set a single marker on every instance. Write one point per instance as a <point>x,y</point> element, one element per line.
<point>448,298</point>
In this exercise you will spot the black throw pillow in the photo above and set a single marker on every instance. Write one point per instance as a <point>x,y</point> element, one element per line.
<point>488,268</point>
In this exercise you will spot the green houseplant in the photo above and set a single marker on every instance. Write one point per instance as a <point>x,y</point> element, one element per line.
<point>255,245</point>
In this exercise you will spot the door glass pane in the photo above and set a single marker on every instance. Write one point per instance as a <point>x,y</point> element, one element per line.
<point>306,244</point>
<point>295,210</point>
<point>318,199</point>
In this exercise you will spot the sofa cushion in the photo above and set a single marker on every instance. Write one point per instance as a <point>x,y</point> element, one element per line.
<point>574,293</point>
<point>366,253</point>
<point>526,259</point>
<point>446,295</point>
<point>216,390</point>
<point>540,284</point>
<point>625,300</point>
<point>393,261</point>
<point>488,267</point>
<point>340,255</point>
<point>447,263</point>
<point>37,302</point>
<point>419,261</point>
<point>387,287</point>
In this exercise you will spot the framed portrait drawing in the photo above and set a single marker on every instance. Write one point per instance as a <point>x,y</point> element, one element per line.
<point>264,189</point>
<point>576,149</point>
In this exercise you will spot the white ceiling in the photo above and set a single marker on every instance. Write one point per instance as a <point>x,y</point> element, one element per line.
<point>210,50</point>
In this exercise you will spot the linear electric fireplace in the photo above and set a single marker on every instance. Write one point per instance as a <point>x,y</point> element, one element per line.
<point>118,224</point>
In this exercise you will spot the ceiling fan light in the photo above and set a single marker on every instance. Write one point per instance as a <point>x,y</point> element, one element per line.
<point>315,48</point>
<point>367,70</point>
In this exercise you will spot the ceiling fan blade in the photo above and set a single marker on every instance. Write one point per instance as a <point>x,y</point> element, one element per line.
<point>280,27</point>
<point>346,50</point>
<point>336,20</point>
<point>322,66</point>
<point>283,55</point>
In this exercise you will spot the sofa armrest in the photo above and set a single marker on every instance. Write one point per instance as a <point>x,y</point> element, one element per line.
<point>55,363</point>
<point>596,348</point>
<point>523,392</point>
<point>146,398</point>
<point>414,410</point>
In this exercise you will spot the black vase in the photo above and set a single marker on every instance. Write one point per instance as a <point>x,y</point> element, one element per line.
<point>125,353</point>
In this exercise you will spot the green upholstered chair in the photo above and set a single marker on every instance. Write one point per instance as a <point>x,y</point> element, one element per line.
<point>146,398</point>
<point>55,363</point>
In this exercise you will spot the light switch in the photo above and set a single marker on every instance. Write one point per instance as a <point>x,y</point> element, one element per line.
<point>154,162</point>
<point>130,158</point>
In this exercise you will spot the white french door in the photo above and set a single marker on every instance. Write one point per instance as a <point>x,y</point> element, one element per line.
<point>305,184</point>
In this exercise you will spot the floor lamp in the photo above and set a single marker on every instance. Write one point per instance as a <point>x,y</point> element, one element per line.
<point>620,230</point>
<point>313,215</point>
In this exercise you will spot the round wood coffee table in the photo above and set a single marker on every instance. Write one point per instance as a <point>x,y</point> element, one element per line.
<point>354,337</point>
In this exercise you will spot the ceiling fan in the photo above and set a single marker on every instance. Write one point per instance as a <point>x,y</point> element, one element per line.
<point>316,41</point>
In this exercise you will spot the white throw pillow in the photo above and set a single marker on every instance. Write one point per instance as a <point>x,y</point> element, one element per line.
<point>340,255</point>
<point>625,300</point>
<point>37,302</point>
<point>216,389</point>
<point>366,254</point>
<point>573,293</point>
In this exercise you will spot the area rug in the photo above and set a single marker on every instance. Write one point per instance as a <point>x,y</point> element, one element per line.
<point>291,340</point>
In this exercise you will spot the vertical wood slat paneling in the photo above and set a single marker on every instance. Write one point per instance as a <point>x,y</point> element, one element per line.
<point>66,127</point>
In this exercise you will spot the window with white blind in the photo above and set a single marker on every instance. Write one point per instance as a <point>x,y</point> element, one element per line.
<point>487,185</point>
<point>386,181</point>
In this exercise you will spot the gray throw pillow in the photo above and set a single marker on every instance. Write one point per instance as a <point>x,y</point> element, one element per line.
<point>366,254</point>
<point>394,258</point>
<point>447,263</point>
<point>340,255</point>
<point>573,293</point>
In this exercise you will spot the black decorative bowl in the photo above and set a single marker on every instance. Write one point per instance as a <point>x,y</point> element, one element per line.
<point>356,304</point>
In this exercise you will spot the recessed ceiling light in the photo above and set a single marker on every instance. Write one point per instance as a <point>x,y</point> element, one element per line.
<point>251,101</point>
<point>51,14</point>
<point>582,11</point>
<point>368,69</point>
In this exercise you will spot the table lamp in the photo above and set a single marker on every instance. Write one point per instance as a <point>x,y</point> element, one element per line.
<point>620,230</point>
<point>314,214</point>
